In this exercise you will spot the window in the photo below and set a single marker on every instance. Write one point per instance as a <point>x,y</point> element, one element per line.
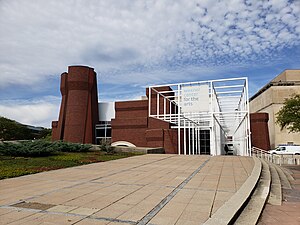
<point>103,132</point>
<point>204,142</point>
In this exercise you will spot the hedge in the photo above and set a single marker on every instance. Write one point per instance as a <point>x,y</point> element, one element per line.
<point>40,148</point>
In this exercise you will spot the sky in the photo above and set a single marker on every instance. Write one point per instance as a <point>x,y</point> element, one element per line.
<point>132,44</point>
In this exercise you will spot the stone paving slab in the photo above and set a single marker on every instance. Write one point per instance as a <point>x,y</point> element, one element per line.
<point>62,208</point>
<point>154,189</point>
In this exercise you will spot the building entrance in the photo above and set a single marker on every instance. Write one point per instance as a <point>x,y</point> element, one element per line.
<point>206,114</point>
<point>204,142</point>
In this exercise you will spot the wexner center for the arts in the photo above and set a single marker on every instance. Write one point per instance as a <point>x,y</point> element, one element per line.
<point>200,117</point>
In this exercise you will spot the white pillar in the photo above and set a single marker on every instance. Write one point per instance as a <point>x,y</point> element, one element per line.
<point>184,137</point>
<point>178,121</point>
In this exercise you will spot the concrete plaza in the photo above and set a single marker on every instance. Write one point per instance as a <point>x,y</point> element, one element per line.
<point>147,189</point>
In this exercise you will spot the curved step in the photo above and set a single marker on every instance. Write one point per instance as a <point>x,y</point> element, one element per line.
<point>228,211</point>
<point>287,170</point>
<point>283,179</point>
<point>275,197</point>
<point>254,208</point>
<point>288,173</point>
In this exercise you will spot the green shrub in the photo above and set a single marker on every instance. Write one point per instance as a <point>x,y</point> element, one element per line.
<point>106,147</point>
<point>70,147</point>
<point>40,148</point>
<point>27,148</point>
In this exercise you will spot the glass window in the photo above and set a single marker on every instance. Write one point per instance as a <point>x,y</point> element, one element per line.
<point>100,132</point>
<point>205,142</point>
<point>103,132</point>
<point>108,132</point>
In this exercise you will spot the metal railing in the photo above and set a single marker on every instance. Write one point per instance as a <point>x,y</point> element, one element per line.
<point>283,159</point>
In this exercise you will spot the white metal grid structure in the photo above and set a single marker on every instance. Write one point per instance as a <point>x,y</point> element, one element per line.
<point>220,107</point>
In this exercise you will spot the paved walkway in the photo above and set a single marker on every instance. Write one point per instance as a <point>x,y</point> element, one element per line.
<point>289,211</point>
<point>148,189</point>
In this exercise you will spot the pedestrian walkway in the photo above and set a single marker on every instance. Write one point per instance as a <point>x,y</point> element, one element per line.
<point>148,189</point>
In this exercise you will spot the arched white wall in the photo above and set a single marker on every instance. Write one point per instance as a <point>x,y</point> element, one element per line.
<point>122,143</point>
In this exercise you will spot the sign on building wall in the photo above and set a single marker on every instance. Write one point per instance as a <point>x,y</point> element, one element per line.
<point>195,98</point>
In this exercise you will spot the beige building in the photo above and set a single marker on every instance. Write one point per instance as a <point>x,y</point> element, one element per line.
<point>270,99</point>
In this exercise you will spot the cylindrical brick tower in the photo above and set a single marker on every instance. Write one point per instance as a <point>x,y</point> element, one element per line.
<point>79,107</point>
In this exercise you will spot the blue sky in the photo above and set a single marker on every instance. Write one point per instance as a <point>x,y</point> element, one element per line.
<point>136,43</point>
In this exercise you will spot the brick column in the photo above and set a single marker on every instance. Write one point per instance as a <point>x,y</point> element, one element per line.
<point>259,130</point>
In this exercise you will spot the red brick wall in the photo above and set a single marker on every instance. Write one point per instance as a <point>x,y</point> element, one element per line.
<point>155,137</point>
<point>55,133</point>
<point>259,130</point>
<point>162,104</point>
<point>155,123</point>
<point>132,124</point>
<point>171,141</point>
<point>131,109</point>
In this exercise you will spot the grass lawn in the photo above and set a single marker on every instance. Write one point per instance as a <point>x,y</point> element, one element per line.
<point>18,166</point>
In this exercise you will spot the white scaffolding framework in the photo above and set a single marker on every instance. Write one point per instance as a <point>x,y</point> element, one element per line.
<point>219,108</point>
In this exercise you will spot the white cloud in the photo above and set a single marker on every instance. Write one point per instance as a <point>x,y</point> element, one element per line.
<point>41,38</point>
<point>135,42</point>
<point>39,112</point>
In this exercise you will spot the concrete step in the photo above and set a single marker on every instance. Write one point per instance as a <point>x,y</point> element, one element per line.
<point>263,186</point>
<point>275,197</point>
<point>254,207</point>
<point>287,170</point>
<point>283,178</point>
<point>288,173</point>
<point>229,211</point>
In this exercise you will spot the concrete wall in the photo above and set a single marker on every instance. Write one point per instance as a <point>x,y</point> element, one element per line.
<point>287,75</point>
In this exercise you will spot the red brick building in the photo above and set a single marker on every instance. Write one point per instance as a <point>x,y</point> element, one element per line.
<point>79,115</point>
<point>132,123</point>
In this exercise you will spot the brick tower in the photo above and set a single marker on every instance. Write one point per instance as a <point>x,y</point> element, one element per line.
<point>79,106</point>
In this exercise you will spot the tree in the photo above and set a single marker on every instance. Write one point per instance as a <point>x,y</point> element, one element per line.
<point>11,130</point>
<point>45,133</point>
<point>289,115</point>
